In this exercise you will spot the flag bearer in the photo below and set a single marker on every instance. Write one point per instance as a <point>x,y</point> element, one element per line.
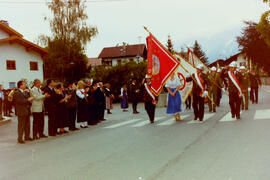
<point>199,92</point>
<point>150,100</point>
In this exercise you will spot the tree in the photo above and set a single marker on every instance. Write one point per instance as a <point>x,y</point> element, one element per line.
<point>169,44</point>
<point>120,74</point>
<point>264,27</point>
<point>251,43</point>
<point>199,53</point>
<point>66,59</point>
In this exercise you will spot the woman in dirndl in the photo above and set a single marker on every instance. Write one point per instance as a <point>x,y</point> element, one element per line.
<point>124,98</point>
<point>174,98</point>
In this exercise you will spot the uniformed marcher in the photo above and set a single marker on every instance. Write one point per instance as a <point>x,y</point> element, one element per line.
<point>150,100</point>
<point>254,84</point>
<point>235,90</point>
<point>216,84</point>
<point>245,83</point>
<point>199,92</point>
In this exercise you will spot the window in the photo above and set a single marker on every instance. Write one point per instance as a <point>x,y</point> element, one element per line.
<point>33,66</point>
<point>11,65</point>
<point>11,85</point>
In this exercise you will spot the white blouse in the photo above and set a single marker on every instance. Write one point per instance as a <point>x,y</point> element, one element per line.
<point>173,84</point>
<point>80,94</point>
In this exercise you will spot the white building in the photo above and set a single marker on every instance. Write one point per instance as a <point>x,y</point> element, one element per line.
<point>19,58</point>
<point>241,59</point>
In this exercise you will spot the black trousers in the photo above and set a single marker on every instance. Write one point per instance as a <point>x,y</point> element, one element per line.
<point>188,102</point>
<point>38,124</point>
<point>235,102</point>
<point>93,115</point>
<point>23,127</point>
<point>254,91</point>
<point>101,112</point>
<point>198,106</point>
<point>52,123</point>
<point>134,105</point>
<point>72,112</point>
<point>150,109</point>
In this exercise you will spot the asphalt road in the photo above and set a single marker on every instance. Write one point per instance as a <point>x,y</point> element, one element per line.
<point>127,147</point>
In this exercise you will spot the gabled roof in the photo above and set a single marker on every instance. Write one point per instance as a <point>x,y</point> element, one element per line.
<point>9,30</point>
<point>221,62</point>
<point>124,51</point>
<point>232,58</point>
<point>15,37</point>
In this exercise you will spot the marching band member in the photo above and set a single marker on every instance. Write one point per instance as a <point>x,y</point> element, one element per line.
<point>150,100</point>
<point>199,92</point>
<point>235,90</point>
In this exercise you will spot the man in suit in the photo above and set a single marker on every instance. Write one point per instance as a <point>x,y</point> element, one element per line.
<point>72,106</point>
<point>100,101</point>
<point>51,107</point>
<point>23,103</point>
<point>134,95</point>
<point>37,109</point>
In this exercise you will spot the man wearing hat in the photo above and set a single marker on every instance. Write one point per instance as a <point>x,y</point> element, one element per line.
<point>235,90</point>
<point>216,84</point>
<point>150,100</point>
<point>199,92</point>
<point>245,83</point>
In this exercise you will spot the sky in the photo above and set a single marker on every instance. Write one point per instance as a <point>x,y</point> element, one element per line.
<point>215,24</point>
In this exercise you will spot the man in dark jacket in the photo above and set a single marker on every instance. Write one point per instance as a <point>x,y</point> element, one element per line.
<point>255,82</point>
<point>51,107</point>
<point>199,92</point>
<point>23,104</point>
<point>100,99</point>
<point>150,100</point>
<point>235,90</point>
<point>134,91</point>
<point>72,106</point>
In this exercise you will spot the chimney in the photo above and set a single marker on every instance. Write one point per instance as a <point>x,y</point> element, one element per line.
<point>4,22</point>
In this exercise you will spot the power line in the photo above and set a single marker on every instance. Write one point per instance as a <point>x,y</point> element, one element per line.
<point>36,2</point>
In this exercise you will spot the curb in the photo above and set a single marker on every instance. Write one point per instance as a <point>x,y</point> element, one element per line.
<point>5,121</point>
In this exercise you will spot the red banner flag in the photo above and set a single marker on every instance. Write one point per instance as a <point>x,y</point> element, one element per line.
<point>161,64</point>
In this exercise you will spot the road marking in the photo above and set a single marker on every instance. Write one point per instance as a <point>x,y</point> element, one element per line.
<point>262,114</point>
<point>122,123</point>
<point>140,124</point>
<point>228,117</point>
<point>171,121</point>
<point>205,118</point>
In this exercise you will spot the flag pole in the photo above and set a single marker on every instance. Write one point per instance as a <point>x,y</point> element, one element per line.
<point>195,80</point>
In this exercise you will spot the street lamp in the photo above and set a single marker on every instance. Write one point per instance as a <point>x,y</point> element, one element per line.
<point>72,71</point>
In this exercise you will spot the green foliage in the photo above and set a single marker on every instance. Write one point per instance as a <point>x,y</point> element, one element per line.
<point>251,43</point>
<point>66,59</point>
<point>120,74</point>
<point>169,44</point>
<point>199,52</point>
<point>264,27</point>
